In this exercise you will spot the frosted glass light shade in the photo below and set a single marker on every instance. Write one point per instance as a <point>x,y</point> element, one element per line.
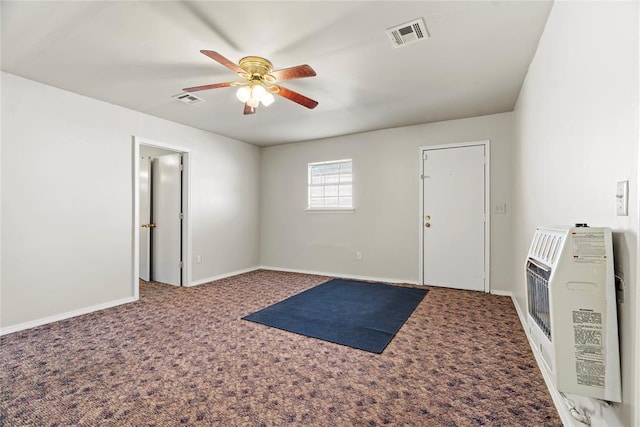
<point>267,99</point>
<point>243,94</point>
<point>253,95</point>
<point>258,91</point>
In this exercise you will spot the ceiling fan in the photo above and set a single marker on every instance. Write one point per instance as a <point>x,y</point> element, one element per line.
<point>259,81</point>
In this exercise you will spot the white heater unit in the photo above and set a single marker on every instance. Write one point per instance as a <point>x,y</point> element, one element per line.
<point>571,309</point>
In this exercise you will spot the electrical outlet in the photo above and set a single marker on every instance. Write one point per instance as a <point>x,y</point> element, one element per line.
<point>199,259</point>
<point>359,256</point>
<point>500,208</point>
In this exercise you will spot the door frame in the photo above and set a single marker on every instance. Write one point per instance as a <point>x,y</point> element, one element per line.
<point>487,206</point>
<point>186,207</point>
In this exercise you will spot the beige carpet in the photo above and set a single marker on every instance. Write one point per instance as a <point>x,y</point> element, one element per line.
<point>183,356</point>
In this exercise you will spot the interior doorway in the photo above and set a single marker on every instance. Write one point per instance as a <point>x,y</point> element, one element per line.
<point>162,238</point>
<point>161,215</point>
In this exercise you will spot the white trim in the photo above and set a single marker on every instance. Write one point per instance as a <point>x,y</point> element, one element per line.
<point>636,313</point>
<point>222,276</point>
<point>330,210</point>
<point>328,162</point>
<point>487,215</point>
<point>186,198</point>
<point>135,249</point>
<point>583,404</point>
<point>487,206</point>
<point>339,275</point>
<point>523,320</point>
<point>62,316</point>
<point>187,223</point>
<point>558,401</point>
<point>502,293</point>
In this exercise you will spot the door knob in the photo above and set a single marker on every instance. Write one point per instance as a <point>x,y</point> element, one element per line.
<point>427,217</point>
<point>152,225</point>
<point>427,224</point>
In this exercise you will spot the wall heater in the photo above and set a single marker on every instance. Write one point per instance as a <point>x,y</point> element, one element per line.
<point>571,309</point>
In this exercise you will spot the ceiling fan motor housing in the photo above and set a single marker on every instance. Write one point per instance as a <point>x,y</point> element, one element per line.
<point>255,65</point>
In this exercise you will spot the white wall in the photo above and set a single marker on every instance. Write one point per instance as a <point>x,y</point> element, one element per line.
<point>385,224</point>
<point>576,134</point>
<point>67,200</point>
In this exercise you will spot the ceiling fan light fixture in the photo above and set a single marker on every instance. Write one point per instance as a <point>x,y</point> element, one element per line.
<point>254,94</point>
<point>243,93</point>
<point>258,91</point>
<point>267,99</point>
<point>253,102</point>
<point>260,80</point>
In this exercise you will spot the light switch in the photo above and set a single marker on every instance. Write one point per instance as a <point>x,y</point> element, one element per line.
<point>622,198</point>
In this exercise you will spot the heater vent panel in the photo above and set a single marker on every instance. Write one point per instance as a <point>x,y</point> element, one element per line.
<point>546,246</point>
<point>571,309</point>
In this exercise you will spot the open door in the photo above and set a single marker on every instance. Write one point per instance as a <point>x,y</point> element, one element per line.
<point>166,211</point>
<point>144,178</point>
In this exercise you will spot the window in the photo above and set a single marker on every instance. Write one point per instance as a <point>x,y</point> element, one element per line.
<point>330,185</point>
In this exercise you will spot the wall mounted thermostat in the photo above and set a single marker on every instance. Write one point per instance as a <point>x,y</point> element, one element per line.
<point>622,198</point>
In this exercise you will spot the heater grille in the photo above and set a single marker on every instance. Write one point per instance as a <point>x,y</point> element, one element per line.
<point>546,246</point>
<point>538,296</point>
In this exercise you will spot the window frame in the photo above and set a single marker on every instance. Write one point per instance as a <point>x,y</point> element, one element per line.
<point>330,209</point>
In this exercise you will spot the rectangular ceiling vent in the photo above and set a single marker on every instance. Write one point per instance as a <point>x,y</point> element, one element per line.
<point>188,98</point>
<point>408,33</point>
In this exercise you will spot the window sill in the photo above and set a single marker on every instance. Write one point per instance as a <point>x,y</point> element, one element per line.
<point>330,210</point>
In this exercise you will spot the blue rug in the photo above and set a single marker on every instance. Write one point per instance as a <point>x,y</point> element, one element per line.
<point>361,315</point>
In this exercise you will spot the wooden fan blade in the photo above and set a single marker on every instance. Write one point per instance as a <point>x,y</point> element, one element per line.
<point>297,72</point>
<point>248,109</point>
<point>224,61</point>
<point>296,97</point>
<point>205,87</point>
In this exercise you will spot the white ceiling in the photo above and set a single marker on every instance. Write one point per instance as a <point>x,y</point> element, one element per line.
<point>138,54</point>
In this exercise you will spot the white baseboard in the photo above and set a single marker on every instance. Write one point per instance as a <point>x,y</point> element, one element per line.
<point>523,319</point>
<point>600,414</point>
<point>63,316</point>
<point>98,307</point>
<point>561,407</point>
<point>340,275</point>
<point>221,276</point>
<point>501,293</point>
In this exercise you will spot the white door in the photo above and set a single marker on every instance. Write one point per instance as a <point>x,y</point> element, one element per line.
<point>145,217</point>
<point>453,214</point>
<point>166,211</point>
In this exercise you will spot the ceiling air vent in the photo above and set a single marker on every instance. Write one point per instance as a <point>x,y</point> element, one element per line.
<point>408,33</point>
<point>188,98</point>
